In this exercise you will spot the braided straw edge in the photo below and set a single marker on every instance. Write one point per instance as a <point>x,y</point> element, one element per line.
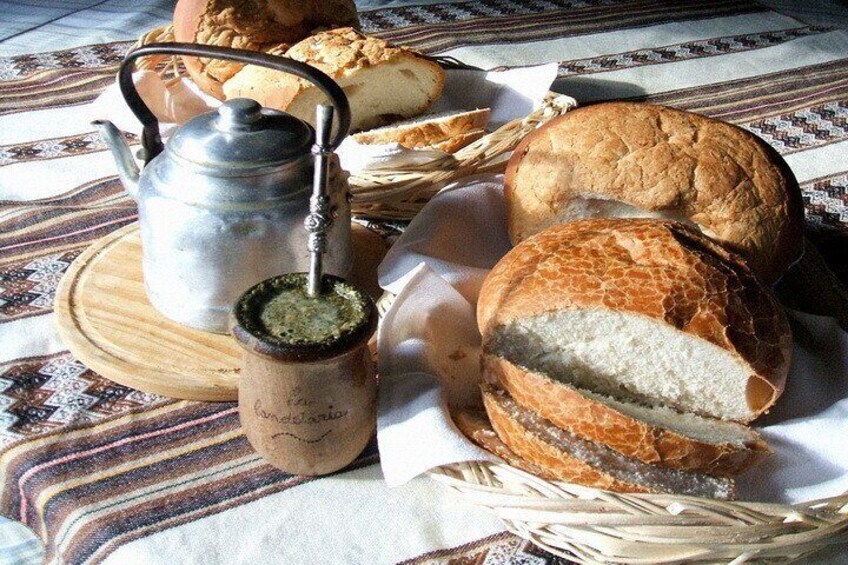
<point>592,526</point>
<point>398,194</point>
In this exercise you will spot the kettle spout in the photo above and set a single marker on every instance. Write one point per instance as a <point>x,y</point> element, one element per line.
<point>128,170</point>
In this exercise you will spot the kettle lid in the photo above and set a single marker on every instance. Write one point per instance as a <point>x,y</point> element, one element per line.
<point>241,134</point>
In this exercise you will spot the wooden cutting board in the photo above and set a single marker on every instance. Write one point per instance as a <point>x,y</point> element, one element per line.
<point>107,322</point>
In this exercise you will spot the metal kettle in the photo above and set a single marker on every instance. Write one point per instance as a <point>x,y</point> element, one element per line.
<point>222,206</point>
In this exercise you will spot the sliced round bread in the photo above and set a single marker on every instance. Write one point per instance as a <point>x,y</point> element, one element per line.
<point>572,459</point>
<point>648,310</point>
<point>652,434</point>
<point>382,83</point>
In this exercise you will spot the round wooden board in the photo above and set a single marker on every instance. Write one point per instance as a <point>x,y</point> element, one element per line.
<point>107,322</point>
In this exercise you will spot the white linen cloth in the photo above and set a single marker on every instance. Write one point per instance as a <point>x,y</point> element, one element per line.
<point>510,94</point>
<point>429,351</point>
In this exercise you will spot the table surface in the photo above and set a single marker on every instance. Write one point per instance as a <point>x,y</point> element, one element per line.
<point>101,472</point>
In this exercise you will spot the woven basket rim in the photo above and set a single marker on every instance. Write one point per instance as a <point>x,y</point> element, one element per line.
<point>593,526</point>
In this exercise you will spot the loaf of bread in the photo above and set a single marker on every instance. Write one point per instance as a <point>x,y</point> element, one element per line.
<point>382,83</point>
<point>567,457</point>
<point>256,25</point>
<point>649,433</point>
<point>448,131</point>
<point>647,311</point>
<point>626,159</point>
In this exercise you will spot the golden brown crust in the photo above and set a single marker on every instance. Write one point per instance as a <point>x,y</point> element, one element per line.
<point>344,51</point>
<point>474,423</point>
<point>556,463</point>
<point>256,25</point>
<point>430,132</point>
<point>566,408</point>
<point>659,269</point>
<point>340,53</point>
<point>719,176</point>
<point>457,142</point>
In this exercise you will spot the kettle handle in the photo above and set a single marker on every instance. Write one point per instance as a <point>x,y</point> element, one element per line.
<point>151,141</point>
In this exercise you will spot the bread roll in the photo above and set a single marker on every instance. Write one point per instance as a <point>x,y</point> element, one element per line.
<point>575,460</point>
<point>257,25</point>
<point>651,434</point>
<point>449,131</point>
<point>382,83</point>
<point>646,311</point>
<point>627,159</point>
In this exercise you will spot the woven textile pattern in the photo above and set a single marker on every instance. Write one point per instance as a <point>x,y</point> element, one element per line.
<point>92,466</point>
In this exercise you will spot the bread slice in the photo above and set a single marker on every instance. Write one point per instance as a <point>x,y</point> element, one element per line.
<point>428,130</point>
<point>474,423</point>
<point>456,143</point>
<point>649,311</point>
<point>627,159</point>
<point>382,83</point>
<point>575,460</point>
<point>651,434</point>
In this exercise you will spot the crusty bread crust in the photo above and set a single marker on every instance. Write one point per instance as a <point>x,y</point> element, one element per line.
<point>565,407</point>
<point>474,423</point>
<point>428,132</point>
<point>560,454</point>
<point>556,463</point>
<point>659,269</point>
<point>256,25</point>
<point>457,142</point>
<point>340,53</point>
<point>657,159</point>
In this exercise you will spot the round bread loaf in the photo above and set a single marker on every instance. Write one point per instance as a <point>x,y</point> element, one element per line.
<point>626,159</point>
<point>257,25</point>
<point>645,311</point>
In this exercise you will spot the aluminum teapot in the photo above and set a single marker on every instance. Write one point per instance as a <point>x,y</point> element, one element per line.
<point>222,206</point>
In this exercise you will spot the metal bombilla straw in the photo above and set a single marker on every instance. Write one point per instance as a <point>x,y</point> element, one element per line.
<point>320,217</point>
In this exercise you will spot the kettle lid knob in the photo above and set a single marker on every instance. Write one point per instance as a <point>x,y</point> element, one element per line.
<point>238,114</point>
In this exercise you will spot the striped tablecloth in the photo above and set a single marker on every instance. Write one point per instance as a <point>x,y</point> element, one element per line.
<point>101,472</point>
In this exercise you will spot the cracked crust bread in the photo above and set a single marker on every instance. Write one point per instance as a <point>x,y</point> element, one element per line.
<point>383,83</point>
<point>575,460</point>
<point>269,26</point>
<point>450,131</point>
<point>654,435</point>
<point>646,311</point>
<point>639,160</point>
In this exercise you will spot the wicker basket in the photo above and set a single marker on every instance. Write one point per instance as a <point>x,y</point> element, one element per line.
<point>583,524</point>
<point>398,194</point>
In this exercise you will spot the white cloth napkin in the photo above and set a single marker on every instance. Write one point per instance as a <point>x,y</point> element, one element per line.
<point>510,94</point>
<point>429,347</point>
